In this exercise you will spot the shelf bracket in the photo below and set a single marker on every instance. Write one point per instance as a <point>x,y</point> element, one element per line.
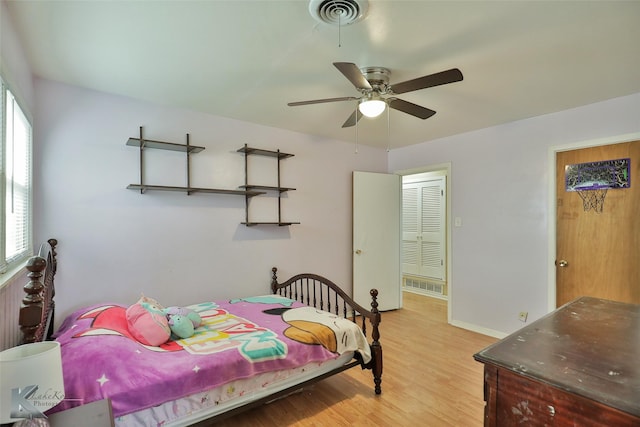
<point>246,182</point>
<point>141,162</point>
<point>188,167</point>
<point>279,192</point>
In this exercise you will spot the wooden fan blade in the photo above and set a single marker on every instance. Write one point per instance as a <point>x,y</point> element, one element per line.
<point>352,120</point>
<point>353,74</point>
<point>320,101</point>
<point>410,108</point>
<point>437,79</point>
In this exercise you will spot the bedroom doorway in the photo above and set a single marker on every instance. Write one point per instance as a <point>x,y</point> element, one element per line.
<point>426,232</point>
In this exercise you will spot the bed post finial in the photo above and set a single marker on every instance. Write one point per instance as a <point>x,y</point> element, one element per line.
<point>274,280</point>
<point>54,255</point>
<point>32,305</point>
<point>376,347</point>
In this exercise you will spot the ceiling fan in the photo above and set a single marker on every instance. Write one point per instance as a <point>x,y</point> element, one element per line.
<point>373,83</point>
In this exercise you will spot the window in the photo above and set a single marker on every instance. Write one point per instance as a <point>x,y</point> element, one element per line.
<point>15,183</point>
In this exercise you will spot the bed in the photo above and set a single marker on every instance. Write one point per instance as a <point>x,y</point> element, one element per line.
<point>245,352</point>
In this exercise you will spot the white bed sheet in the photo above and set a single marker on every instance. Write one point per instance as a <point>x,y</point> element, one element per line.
<point>200,406</point>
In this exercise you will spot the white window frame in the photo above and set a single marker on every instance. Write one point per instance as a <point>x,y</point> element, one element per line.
<point>15,261</point>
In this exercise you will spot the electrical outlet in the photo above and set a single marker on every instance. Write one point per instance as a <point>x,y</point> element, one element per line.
<point>523,316</point>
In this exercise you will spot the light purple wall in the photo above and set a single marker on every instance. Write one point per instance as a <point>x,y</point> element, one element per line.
<point>116,243</point>
<point>500,189</point>
<point>14,66</point>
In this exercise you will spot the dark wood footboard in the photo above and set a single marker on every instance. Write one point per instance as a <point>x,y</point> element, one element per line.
<point>319,292</point>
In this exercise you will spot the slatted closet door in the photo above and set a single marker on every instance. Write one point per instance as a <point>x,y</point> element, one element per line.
<point>423,228</point>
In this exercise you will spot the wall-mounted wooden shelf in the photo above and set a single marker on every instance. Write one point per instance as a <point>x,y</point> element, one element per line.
<point>281,224</point>
<point>188,149</point>
<point>171,146</point>
<point>190,190</point>
<point>266,188</point>
<point>258,151</point>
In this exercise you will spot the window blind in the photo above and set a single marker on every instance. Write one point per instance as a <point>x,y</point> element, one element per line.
<point>17,182</point>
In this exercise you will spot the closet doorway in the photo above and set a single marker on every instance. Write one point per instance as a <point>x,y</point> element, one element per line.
<point>425,226</point>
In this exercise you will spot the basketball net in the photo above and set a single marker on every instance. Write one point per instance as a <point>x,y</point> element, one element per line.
<point>593,199</point>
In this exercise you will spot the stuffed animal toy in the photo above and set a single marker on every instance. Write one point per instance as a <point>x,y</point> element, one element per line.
<point>181,327</point>
<point>147,322</point>
<point>182,321</point>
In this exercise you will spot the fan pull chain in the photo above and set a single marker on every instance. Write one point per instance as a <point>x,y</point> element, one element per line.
<point>340,28</point>
<point>356,129</point>
<point>388,129</point>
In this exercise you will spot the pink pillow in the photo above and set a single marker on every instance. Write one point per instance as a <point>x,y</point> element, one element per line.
<point>147,323</point>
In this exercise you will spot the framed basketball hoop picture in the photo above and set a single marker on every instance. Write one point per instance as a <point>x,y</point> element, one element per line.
<point>592,180</point>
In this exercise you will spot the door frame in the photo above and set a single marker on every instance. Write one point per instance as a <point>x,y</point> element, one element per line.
<point>551,271</point>
<point>446,167</point>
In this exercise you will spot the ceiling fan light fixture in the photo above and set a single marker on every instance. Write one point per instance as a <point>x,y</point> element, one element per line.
<point>372,107</point>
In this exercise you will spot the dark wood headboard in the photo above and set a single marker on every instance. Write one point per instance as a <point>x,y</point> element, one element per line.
<point>37,308</point>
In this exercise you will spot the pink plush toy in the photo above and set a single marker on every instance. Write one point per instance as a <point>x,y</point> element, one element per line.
<point>147,322</point>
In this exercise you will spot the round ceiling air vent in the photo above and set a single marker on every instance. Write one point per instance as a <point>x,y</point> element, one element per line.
<point>338,12</point>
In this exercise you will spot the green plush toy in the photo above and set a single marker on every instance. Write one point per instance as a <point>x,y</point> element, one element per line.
<point>182,321</point>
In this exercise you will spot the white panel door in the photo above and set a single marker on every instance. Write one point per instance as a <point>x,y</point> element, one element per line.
<point>424,228</point>
<point>376,238</point>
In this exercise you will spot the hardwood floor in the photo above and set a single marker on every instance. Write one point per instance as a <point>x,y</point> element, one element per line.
<point>429,379</point>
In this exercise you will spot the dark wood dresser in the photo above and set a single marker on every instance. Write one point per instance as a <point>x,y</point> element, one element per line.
<point>577,366</point>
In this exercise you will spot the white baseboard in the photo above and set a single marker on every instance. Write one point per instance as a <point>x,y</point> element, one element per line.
<point>479,329</point>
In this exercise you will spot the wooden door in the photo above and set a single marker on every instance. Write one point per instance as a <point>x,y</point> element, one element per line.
<point>376,238</point>
<point>598,254</point>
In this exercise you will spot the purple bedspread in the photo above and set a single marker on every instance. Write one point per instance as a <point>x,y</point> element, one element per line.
<point>238,339</point>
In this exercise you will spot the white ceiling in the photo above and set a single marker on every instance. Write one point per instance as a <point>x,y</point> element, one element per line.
<point>247,59</point>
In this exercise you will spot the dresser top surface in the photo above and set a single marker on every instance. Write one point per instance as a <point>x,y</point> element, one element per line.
<point>590,347</point>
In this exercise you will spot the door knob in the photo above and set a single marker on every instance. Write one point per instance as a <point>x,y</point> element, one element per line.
<point>562,263</point>
<point>358,251</point>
